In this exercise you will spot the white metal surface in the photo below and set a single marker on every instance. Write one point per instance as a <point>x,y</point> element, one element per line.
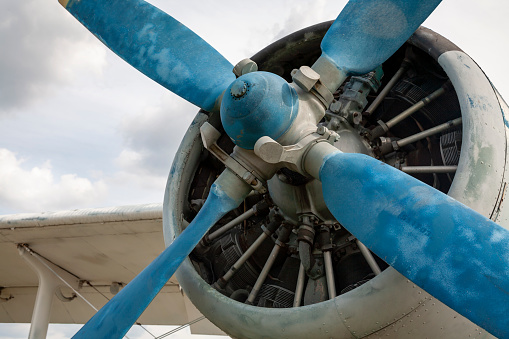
<point>101,246</point>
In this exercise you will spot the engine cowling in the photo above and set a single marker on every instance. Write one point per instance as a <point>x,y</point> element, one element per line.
<point>368,303</point>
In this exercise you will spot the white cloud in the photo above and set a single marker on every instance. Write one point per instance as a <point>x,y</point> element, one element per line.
<point>42,47</point>
<point>152,136</point>
<point>37,189</point>
<point>47,48</point>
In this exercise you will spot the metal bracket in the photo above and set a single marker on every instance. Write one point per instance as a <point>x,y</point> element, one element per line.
<point>245,66</point>
<point>209,136</point>
<point>309,80</point>
<point>292,156</point>
<point>5,298</point>
<point>51,278</point>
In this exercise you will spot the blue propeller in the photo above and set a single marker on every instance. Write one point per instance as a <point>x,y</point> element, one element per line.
<point>365,34</point>
<point>159,46</point>
<point>120,313</point>
<point>368,32</point>
<point>454,253</point>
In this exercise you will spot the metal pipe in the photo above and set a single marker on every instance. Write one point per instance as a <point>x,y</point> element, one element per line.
<point>414,108</point>
<point>260,207</point>
<point>429,169</point>
<point>280,242</point>
<point>235,267</point>
<point>378,100</point>
<point>369,258</point>
<point>329,274</point>
<point>300,286</point>
<point>428,132</point>
<point>246,215</point>
<point>384,127</point>
<point>263,274</point>
<point>267,232</point>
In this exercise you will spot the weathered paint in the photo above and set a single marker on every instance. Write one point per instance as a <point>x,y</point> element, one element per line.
<point>368,32</point>
<point>361,312</point>
<point>267,108</point>
<point>82,216</point>
<point>454,253</point>
<point>120,313</point>
<point>158,46</point>
<point>501,211</point>
<point>483,149</point>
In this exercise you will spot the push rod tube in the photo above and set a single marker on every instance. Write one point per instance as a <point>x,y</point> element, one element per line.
<point>389,147</point>
<point>385,127</point>
<point>280,242</point>
<point>267,232</point>
<point>429,132</point>
<point>428,169</point>
<point>329,274</point>
<point>378,100</point>
<point>326,245</point>
<point>369,258</point>
<point>299,289</point>
<point>262,206</point>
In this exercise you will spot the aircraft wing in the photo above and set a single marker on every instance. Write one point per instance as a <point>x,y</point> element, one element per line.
<point>94,248</point>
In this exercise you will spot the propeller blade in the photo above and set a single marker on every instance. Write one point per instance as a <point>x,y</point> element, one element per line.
<point>365,34</point>
<point>120,313</point>
<point>158,46</point>
<point>454,253</point>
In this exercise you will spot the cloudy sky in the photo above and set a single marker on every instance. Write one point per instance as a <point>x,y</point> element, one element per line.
<point>81,128</point>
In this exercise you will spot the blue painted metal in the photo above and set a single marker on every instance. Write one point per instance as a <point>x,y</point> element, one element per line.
<point>158,46</point>
<point>120,313</point>
<point>367,32</point>
<point>258,104</point>
<point>446,248</point>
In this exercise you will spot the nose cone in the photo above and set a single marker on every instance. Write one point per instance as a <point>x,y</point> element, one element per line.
<point>258,104</point>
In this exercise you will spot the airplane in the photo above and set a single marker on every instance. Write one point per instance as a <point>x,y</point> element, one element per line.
<point>345,248</point>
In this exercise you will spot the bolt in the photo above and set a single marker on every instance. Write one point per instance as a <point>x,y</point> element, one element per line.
<point>239,88</point>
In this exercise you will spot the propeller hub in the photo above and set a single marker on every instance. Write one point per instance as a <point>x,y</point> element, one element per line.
<point>260,104</point>
<point>238,89</point>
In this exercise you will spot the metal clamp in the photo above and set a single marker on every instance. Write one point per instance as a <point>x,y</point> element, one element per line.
<point>309,80</point>
<point>273,152</point>
<point>209,136</point>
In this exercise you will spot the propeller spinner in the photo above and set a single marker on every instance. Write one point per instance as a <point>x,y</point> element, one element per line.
<point>274,123</point>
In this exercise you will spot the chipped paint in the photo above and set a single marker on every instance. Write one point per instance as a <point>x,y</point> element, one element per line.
<point>435,241</point>
<point>483,149</point>
<point>362,38</point>
<point>344,316</point>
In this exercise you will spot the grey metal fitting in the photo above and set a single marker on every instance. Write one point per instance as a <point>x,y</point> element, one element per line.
<point>378,131</point>
<point>306,231</point>
<point>385,146</point>
<point>305,77</point>
<point>309,80</point>
<point>324,238</point>
<point>273,225</point>
<point>245,66</point>
<point>261,207</point>
<point>284,234</point>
